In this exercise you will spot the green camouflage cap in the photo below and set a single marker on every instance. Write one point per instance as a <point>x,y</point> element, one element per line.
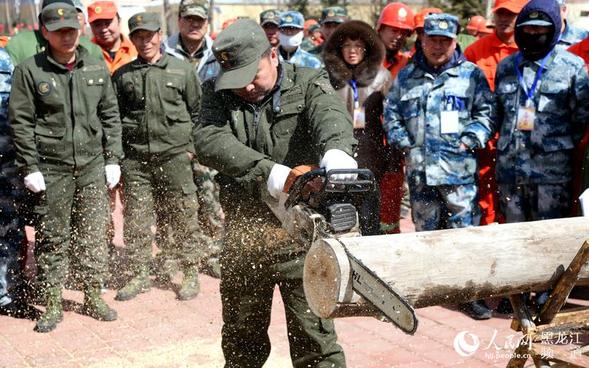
<point>239,49</point>
<point>270,16</point>
<point>334,14</point>
<point>146,21</point>
<point>60,15</point>
<point>199,8</point>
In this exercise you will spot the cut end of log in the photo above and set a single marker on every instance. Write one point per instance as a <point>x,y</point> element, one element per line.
<point>322,275</point>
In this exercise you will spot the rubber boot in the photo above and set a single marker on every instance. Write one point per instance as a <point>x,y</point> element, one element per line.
<point>137,285</point>
<point>95,306</point>
<point>53,313</point>
<point>190,285</point>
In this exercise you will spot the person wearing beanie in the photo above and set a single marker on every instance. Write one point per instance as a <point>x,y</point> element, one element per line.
<point>542,93</point>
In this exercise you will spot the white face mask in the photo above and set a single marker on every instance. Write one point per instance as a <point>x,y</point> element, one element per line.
<point>290,42</point>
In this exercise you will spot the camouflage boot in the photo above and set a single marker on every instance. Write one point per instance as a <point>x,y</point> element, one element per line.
<point>95,306</point>
<point>53,313</point>
<point>138,284</point>
<point>190,285</point>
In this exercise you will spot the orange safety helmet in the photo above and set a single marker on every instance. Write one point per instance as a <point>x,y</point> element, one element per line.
<point>396,15</point>
<point>476,22</point>
<point>420,17</point>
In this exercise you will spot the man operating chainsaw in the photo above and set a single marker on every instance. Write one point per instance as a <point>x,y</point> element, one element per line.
<point>259,119</point>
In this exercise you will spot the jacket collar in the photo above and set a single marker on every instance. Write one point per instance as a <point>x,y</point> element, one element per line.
<point>162,63</point>
<point>81,53</point>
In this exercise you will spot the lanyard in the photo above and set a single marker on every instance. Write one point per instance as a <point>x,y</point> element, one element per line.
<point>354,86</point>
<point>520,77</point>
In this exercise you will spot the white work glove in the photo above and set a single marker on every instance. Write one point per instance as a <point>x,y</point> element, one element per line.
<point>335,159</point>
<point>277,179</point>
<point>113,175</point>
<point>35,182</point>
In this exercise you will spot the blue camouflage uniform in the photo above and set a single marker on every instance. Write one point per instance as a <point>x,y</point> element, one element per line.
<point>534,166</point>
<point>441,174</point>
<point>299,57</point>
<point>571,36</point>
<point>11,193</point>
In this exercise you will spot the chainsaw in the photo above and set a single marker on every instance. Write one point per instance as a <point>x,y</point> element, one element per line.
<point>320,205</point>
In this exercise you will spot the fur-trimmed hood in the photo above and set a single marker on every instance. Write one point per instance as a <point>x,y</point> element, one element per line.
<point>365,72</point>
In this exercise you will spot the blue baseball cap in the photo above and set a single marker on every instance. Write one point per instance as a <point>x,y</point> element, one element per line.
<point>445,25</point>
<point>292,19</point>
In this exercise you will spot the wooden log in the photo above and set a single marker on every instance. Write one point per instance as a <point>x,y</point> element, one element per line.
<point>445,266</point>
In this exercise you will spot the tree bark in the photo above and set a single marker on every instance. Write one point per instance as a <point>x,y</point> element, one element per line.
<point>445,266</point>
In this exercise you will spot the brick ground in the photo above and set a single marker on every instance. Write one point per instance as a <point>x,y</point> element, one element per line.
<point>156,330</point>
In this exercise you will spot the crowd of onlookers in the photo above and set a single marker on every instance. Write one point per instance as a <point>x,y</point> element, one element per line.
<point>463,122</point>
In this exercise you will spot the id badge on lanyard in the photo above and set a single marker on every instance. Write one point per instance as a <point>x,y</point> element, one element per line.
<point>449,122</point>
<point>526,115</point>
<point>359,112</point>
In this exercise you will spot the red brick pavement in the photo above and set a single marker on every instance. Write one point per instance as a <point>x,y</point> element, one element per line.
<point>156,330</point>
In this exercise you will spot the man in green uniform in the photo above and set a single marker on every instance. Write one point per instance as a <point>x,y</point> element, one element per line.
<point>28,43</point>
<point>159,97</point>
<point>67,133</point>
<point>331,18</point>
<point>260,118</point>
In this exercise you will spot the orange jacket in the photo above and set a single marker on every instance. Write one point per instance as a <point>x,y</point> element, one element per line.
<point>3,41</point>
<point>394,67</point>
<point>487,52</point>
<point>125,54</point>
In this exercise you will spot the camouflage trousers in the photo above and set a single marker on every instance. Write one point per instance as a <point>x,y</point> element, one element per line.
<point>162,191</point>
<point>533,202</point>
<point>211,215</point>
<point>72,212</point>
<point>11,232</point>
<point>442,206</point>
<point>247,288</point>
<point>258,255</point>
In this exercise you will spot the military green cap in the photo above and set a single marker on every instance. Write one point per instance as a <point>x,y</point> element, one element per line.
<point>58,16</point>
<point>239,49</point>
<point>199,8</point>
<point>334,14</point>
<point>146,21</point>
<point>270,16</point>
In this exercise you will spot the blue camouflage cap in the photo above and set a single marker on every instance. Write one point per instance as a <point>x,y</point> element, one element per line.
<point>292,19</point>
<point>445,25</point>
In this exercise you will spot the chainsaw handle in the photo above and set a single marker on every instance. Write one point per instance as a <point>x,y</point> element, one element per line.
<point>364,182</point>
<point>295,192</point>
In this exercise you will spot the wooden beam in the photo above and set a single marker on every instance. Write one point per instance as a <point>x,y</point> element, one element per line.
<point>445,266</point>
<point>565,284</point>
